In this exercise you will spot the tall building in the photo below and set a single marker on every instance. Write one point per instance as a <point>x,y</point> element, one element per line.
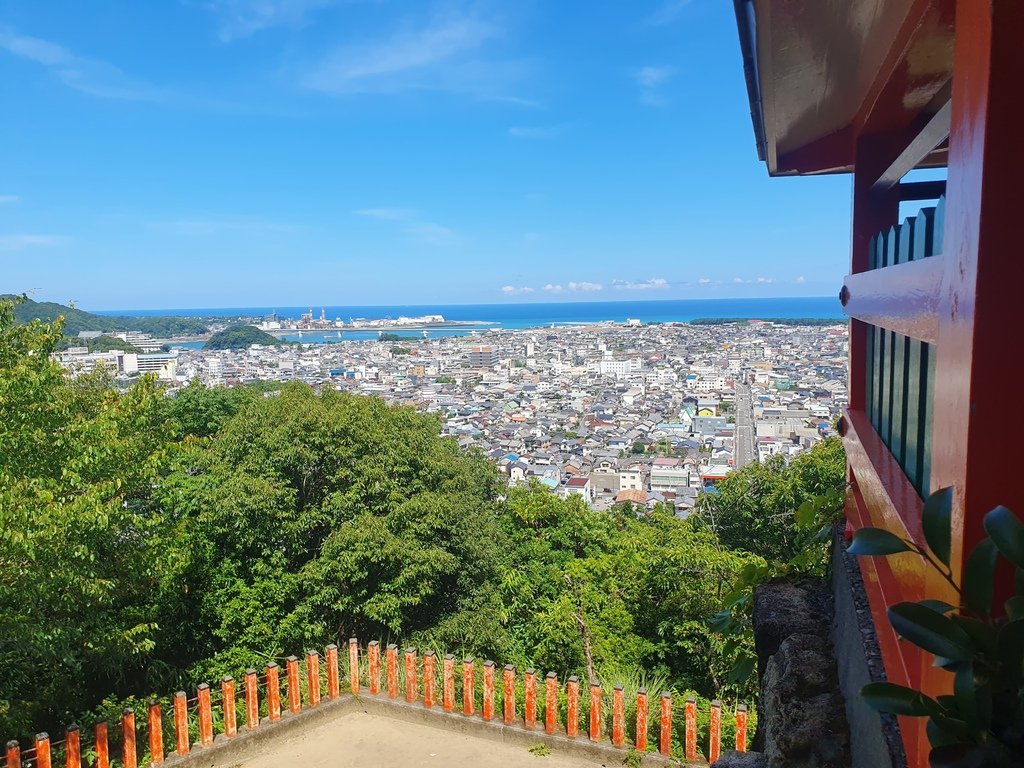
<point>482,357</point>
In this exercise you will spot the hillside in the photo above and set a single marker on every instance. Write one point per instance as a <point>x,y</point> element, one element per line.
<point>240,336</point>
<point>99,344</point>
<point>76,320</point>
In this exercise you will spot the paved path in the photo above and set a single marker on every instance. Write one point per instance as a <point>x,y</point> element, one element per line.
<point>360,740</point>
<point>745,453</point>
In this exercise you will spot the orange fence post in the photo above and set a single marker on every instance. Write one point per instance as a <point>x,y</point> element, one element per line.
<point>392,664</point>
<point>313,677</point>
<point>102,747</point>
<point>509,704</point>
<point>252,700</point>
<point>618,716</point>
<point>273,691</point>
<point>227,705</point>
<point>550,702</point>
<point>641,720</point>
<point>741,728</point>
<point>43,750</point>
<point>595,711</point>
<point>73,748</point>
<point>448,683</point>
<point>294,693</point>
<point>691,728</point>
<point>530,698</point>
<point>572,710</point>
<point>155,726</point>
<point>333,681</point>
<point>665,742</point>
<point>205,715</point>
<point>129,756</point>
<point>13,754</point>
<point>488,690</point>
<point>468,686</point>
<point>180,723</point>
<point>429,678</point>
<point>715,737</point>
<point>373,662</point>
<point>353,664</point>
<point>410,675</point>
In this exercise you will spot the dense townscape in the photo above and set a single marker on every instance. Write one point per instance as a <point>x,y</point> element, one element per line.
<point>615,413</point>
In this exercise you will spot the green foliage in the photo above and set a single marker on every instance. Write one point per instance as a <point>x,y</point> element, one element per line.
<point>444,380</point>
<point>98,344</point>
<point>398,351</point>
<point>240,336</point>
<point>388,336</point>
<point>540,750</point>
<point>75,320</point>
<point>982,722</point>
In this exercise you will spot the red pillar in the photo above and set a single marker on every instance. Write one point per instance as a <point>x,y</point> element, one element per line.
<point>618,716</point>
<point>205,715</point>
<point>551,702</point>
<point>227,705</point>
<point>641,719</point>
<point>530,699</point>
<point>410,675</point>
<point>13,754</point>
<point>595,711</point>
<point>509,704</point>
<point>181,743</point>
<point>715,736</point>
<point>129,756</point>
<point>665,740</point>
<point>333,681</point>
<point>468,686</point>
<point>429,678</point>
<point>741,728</point>
<point>572,711</point>
<point>102,746</point>
<point>273,691</point>
<point>691,729</point>
<point>373,662</point>
<point>391,658</point>
<point>43,750</point>
<point>488,711</point>
<point>353,664</point>
<point>156,735</point>
<point>252,701</point>
<point>294,690</point>
<point>448,684</point>
<point>313,677</point>
<point>73,748</point>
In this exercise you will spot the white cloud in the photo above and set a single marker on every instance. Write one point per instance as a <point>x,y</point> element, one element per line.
<point>553,288</point>
<point>242,18</point>
<point>650,80</point>
<point>89,76</point>
<point>765,280</point>
<point>585,287</point>
<point>753,280</point>
<point>9,199</point>
<point>537,131</point>
<point>801,280</point>
<point>667,12</point>
<point>21,242</point>
<point>443,54</point>
<point>708,281</point>
<point>512,290</point>
<point>654,283</point>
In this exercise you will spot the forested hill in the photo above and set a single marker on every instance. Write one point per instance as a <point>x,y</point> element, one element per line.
<point>240,336</point>
<point>76,320</point>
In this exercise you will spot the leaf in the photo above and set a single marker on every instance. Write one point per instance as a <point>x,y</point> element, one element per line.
<point>897,699</point>
<point>930,631</point>
<point>1014,608</point>
<point>805,514</point>
<point>935,521</point>
<point>979,570</point>
<point>742,669</point>
<point>1010,648</point>
<point>937,605</point>
<point>1007,532</point>
<point>876,541</point>
<point>963,691</point>
<point>982,634</point>
<point>957,756</point>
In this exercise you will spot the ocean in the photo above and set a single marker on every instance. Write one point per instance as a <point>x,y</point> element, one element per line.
<point>527,315</point>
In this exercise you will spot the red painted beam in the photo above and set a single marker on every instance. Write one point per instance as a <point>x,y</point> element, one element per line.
<point>902,297</point>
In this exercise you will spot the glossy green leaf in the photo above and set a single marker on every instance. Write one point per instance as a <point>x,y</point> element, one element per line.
<point>876,541</point>
<point>937,605</point>
<point>1007,532</point>
<point>742,669</point>
<point>805,514</point>
<point>1014,608</point>
<point>979,570</point>
<point>1010,648</point>
<point>982,634</point>
<point>930,631</point>
<point>935,521</point>
<point>897,699</point>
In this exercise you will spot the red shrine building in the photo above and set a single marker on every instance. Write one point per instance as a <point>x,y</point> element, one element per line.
<point>879,89</point>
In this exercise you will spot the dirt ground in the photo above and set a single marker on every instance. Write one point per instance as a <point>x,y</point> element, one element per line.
<point>361,740</point>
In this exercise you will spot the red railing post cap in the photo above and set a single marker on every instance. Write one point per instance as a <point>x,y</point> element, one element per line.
<point>292,658</point>
<point>13,744</point>
<point>392,646</point>
<point>410,649</point>
<point>716,703</point>
<point>331,647</point>
<point>741,708</point>
<point>551,676</point>
<point>128,711</point>
<point>200,687</point>
<point>227,679</point>
<point>250,671</point>
<point>353,641</point>
<point>312,652</point>
<point>619,688</point>
<point>642,690</point>
<point>573,679</point>
<point>74,726</point>
<point>667,695</point>
<point>44,736</point>
<point>489,663</point>
<point>449,657</point>
<point>595,684</point>
<point>531,671</point>
<point>468,660</point>
<point>510,667</point>
<point>374,642</point>
<point>429,653</point>
<point>689,699</point>
<point>272,665</point>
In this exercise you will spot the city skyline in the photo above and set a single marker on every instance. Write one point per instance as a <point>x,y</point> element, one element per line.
<point>393,153</point>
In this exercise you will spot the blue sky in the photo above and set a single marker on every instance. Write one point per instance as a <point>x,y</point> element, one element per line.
<point>201,153</point>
